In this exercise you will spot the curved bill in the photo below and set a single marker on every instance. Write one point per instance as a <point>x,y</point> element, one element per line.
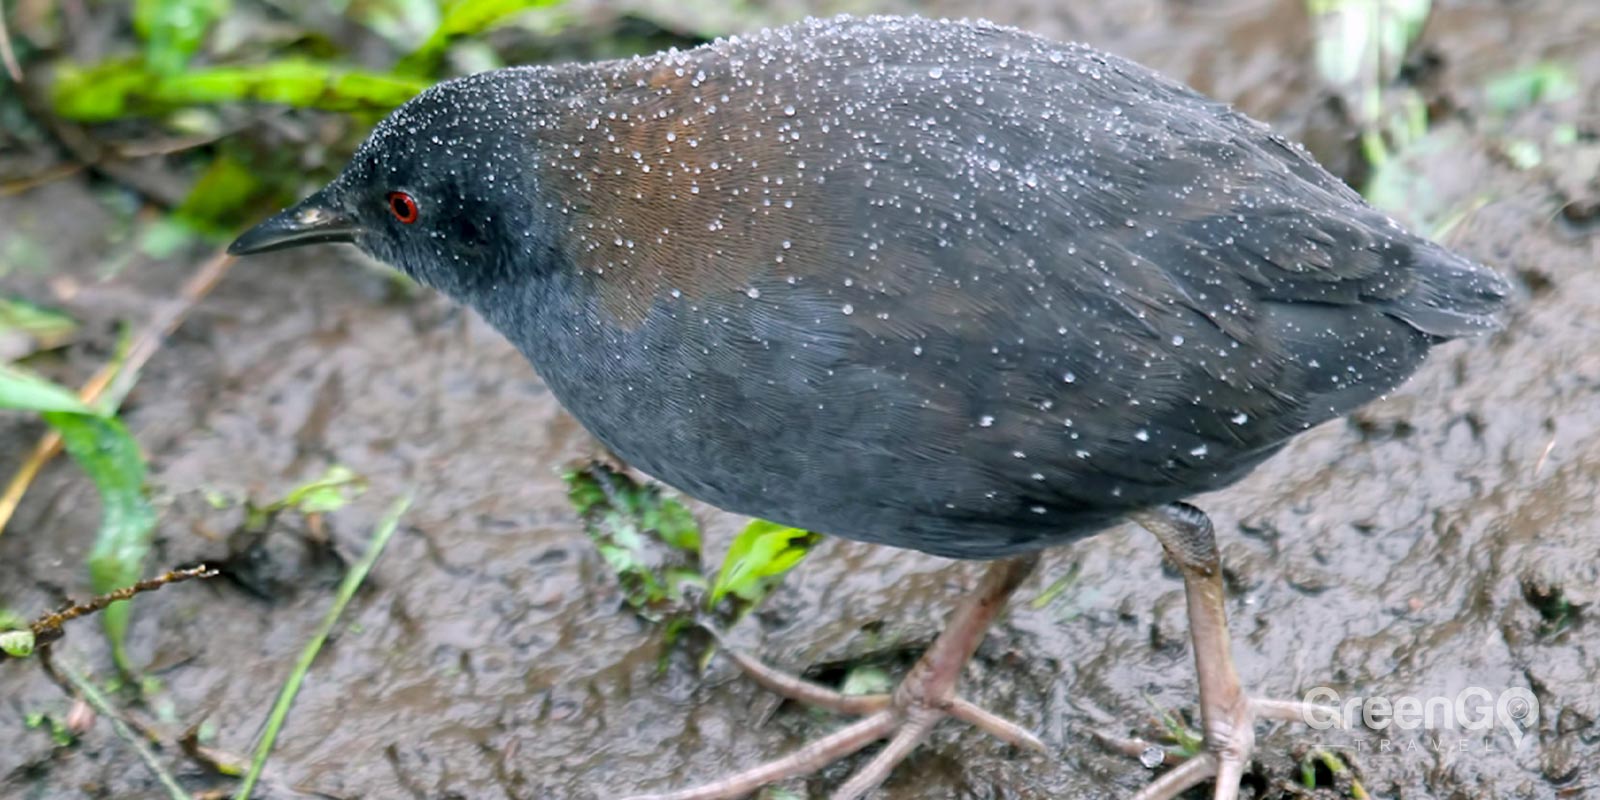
<point>309,222</point>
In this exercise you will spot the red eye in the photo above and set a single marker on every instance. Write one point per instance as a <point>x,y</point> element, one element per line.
<point>403,207</point>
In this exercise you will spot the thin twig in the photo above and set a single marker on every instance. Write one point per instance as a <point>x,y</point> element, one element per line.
<point>118,377</point>
<point>47,628</point>
<point>124,151</point>
<point>167,146</point>
<point>54,173</point>
<point>12,67</point>
<point>104,709</point>
<point>291,687</point>
<point>157,185</point>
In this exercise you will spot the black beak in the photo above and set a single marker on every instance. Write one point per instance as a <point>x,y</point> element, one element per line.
<point>312,221</point>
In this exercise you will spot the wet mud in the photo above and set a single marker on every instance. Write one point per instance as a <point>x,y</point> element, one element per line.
<point>1441,539</point>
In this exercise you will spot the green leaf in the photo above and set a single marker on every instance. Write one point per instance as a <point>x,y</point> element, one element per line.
<point>331,492</point>
<point>114,89</point>
<point>220,194</point>
<point>1399,186</point>
<point>60,734</point>
<point>673,524</point>
<point>1530,86</point>
<point>47,328</point>
<point>866,679</point>
<point>103,448</point>
<point>1188,741</point>
<point>463,18</point>
<point>1523,153</point>
<point>24,390</point>
<point>17,644</point>
<point>164,237</point>
<point>758,558</point>
<point>101,92</point>
<point>651,542</point>
<point>174,29</point>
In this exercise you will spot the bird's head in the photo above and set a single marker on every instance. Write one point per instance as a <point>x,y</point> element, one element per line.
<point>444,189</point>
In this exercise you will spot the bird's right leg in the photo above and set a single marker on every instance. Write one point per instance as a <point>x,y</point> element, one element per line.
<point>1227,714</point>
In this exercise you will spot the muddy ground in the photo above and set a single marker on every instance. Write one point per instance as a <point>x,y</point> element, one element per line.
<point>1441,539</point>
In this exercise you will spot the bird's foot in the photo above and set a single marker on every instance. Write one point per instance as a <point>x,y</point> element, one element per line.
<point>925,697</point>
<point>1229,742</point>
<point>905,718</point>
<point>922,692</point>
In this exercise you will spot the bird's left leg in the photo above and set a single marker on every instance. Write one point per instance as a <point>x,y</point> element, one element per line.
<point>1227,715</point>
<point>924,697</point>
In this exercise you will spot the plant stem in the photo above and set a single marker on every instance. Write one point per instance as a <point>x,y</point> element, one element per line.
<point>102,707</point>
<point>347,589</point>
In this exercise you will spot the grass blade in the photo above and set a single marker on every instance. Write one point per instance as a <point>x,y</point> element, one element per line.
<point>23,390</point>
<point>291,687</point>
<point>98,702</point>
<point>115,89</point>
<point>38,327</point>
<point>105,451</point>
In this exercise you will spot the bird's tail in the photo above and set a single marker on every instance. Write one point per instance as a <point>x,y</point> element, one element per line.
<point>1452,296</point>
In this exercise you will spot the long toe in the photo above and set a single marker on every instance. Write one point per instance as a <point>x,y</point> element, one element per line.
<point>904,727</point>
<point>1182,778</point>
<point>806,760</point>
<point>1230,742</point>
<point>800,690</point>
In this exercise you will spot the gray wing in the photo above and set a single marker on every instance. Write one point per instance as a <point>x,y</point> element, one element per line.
<point>1113,282</point>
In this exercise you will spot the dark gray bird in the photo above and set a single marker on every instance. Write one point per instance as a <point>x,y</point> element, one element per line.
<point>936,285</point>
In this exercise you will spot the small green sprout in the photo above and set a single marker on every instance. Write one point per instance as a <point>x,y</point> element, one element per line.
<point>17,644</point>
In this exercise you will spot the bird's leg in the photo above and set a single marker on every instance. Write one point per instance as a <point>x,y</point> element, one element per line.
<point>1227,715</point>
<point>924,697</point>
